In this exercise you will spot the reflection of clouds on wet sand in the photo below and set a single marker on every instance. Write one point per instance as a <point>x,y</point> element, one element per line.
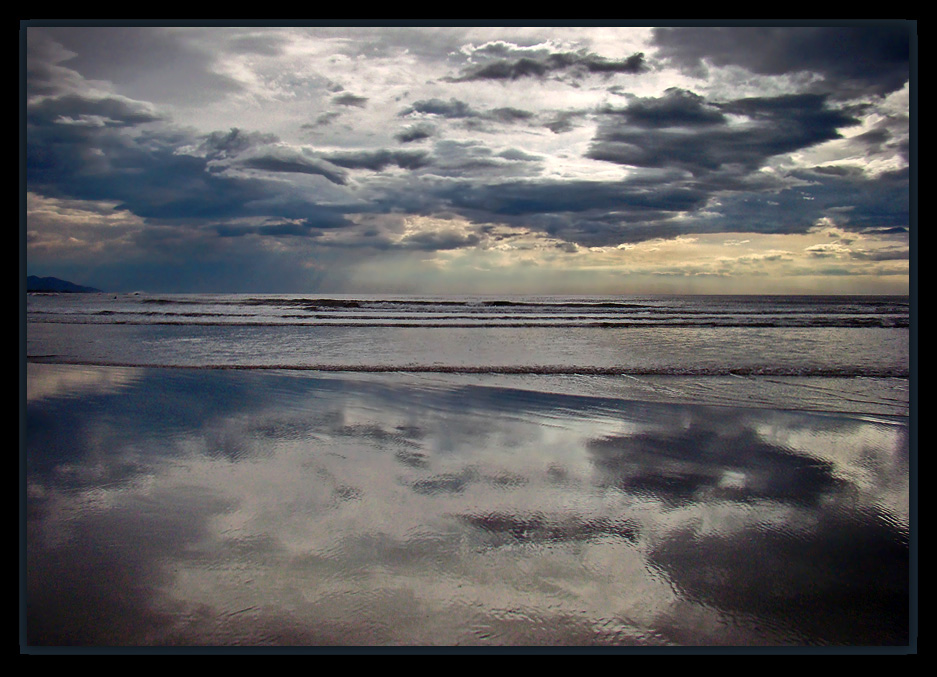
<point>251,508</point>
<point>96,559</point>
<point>843,581</point>
<point>869,454</point>
<point>708,461</point>
<point>55,380</point>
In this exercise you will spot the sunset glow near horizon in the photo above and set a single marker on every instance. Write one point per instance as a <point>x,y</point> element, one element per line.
<point>491,160</point>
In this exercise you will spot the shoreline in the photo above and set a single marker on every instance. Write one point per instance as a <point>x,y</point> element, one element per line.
<point>833,394</point>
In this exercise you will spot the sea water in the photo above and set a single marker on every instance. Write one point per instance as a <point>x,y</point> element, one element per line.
<point>389,470</point>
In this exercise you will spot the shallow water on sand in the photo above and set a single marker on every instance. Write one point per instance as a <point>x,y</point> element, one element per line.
<point>210,507</point>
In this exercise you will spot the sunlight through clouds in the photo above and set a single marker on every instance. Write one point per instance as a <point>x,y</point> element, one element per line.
<point>547,151</point>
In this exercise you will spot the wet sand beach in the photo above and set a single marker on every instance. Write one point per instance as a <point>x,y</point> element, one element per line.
<point>200,507</point>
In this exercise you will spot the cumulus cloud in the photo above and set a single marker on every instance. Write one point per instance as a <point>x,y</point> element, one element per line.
<point>677,108</point>
<point>291,161</point>
<point>460,110</point>
<point>680,130</point>
<point>379,159</point>
<point>417,132</point>
<point>502,61</point>
<point>453,108</point>
<point>108,111</point>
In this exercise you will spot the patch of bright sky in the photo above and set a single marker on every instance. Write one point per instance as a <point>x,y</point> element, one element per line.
<point>78,228</point>
<point>759,263</point>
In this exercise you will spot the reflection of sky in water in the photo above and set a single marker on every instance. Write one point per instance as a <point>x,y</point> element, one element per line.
<point>74,382</point>
<point>205,507</point>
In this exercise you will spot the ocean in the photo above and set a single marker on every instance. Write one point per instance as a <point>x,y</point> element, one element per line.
<point>377,470</point>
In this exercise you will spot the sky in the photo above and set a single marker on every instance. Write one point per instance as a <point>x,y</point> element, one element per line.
<point>468,159</point>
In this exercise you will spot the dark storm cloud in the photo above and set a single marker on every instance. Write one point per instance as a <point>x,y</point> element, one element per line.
<point>147,173</point>
<point>874,137</point>
<point>292,162</point>
<point>596,64</point>
<point>573,196</point>
<point>378,160</point>
<point>872,56</point>
<point>661,203</point>
<point>859,202</point>
<point>413,133</point>
<point>100,146</point>
<point>603,229</point>
<point>470,163</point>
<point>506,63</point>
<point>177,187</point>
<point>234,142</point>
<point>590,213</point>
<point>519,155</point>
<point>351,100</point>
<point>103,105</point>
<point>90,111</point>
<point>456,109</point>
<point>853,200</point>
<point>319,219</point>
<point>453,108</point>
<point>680,131</point>
<point>123,159</point>
<point>509,114</point>
<point>888,135</point>
<point>677,108</point>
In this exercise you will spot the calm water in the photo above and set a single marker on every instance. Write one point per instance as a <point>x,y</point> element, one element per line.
<point>238,470</point>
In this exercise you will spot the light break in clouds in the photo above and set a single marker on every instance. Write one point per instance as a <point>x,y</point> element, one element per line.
<point>470,159</point>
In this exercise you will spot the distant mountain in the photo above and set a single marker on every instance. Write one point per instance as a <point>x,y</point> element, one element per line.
<point>53,284</point>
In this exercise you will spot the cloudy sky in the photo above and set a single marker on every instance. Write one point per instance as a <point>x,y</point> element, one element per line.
<point>469,159</point>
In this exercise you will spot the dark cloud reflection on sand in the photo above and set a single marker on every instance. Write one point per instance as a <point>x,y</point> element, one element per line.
<point>189,507</point>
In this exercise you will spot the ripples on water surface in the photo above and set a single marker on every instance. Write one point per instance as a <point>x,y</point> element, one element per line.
<point>532,471</point>
<point>778,336</point>
<point>196,507</point>
<point>471,311</point>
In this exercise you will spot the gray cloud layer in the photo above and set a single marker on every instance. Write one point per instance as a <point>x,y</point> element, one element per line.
<point>874,57</point>
<point>679,131</point>
<point>502,62</point>
<point>680,160</point>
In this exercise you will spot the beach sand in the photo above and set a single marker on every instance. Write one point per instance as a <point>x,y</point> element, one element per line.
<point>175,507</point>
